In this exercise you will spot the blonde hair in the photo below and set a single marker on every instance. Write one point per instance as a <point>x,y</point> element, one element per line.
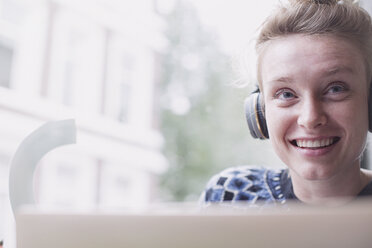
<point>343,19</point>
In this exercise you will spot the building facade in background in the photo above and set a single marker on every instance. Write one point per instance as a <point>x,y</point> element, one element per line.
<point>94,61</point>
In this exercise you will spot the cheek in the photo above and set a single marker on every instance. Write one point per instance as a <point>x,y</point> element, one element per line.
<point>271,118</point>
<point>278,127</point>
<point>357,123</point>
<point>278,121</point>
<point>354,117</point>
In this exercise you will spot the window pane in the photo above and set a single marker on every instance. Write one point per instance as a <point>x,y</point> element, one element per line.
<point>6,56</point>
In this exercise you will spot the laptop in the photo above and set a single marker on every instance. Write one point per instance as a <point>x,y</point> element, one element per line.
<point>349,226</point>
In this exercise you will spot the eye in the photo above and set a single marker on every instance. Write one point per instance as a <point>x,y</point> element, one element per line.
<point>336,89</point>
<point>285,94</point>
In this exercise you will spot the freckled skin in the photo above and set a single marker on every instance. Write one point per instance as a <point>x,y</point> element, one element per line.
<point>316,87</point>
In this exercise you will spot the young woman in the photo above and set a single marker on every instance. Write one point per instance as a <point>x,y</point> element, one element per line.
<point>314,76</point>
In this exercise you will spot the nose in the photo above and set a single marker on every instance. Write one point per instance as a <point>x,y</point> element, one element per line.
<point>312,114</point>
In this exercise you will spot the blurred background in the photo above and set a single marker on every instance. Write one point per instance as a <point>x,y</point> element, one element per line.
<point>156,88</point>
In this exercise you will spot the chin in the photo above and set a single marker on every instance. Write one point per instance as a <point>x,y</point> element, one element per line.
<point>314,172</point>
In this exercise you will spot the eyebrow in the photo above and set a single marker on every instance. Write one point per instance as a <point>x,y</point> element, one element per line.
<point>325,73</point>
<point>338,69</point>
<point>281,79</point>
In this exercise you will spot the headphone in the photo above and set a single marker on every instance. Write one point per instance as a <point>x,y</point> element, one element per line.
<point>255,114</point>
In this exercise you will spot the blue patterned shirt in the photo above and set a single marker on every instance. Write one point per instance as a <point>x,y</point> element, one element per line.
<point>254,185</point>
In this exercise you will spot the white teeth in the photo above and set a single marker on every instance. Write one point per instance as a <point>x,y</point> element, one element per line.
<point>314,143</point>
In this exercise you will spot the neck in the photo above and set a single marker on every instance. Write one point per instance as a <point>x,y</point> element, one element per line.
<point>337,190</point>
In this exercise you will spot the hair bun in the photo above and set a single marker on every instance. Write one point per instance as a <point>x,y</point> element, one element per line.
<point>328,2</point>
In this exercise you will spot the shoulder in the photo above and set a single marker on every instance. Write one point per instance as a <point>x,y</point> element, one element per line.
<point>243,184</point>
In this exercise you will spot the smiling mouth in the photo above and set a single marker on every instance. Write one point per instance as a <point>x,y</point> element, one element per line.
<point>315,144</point>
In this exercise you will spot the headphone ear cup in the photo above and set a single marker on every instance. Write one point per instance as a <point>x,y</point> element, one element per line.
<point>254,114</point>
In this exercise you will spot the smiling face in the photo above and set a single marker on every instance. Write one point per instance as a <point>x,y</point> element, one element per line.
<point>315,93</point>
